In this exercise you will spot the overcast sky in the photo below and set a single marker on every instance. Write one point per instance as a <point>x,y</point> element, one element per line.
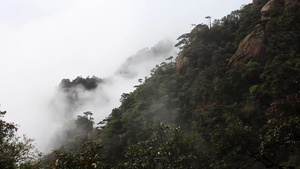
<point>44,41</point>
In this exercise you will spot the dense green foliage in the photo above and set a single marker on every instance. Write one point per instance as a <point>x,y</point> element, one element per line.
<point>212,108</point>
<point>16,152</point>
<point>239,115</point>
<point>246,113</point>
<point>87,83</point>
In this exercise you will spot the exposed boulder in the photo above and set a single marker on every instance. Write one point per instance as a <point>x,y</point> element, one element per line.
<point>266,11</point>
<point>250,47</point>
<point>182,63</point>
<point>199,32</point>
<point>254,44</point>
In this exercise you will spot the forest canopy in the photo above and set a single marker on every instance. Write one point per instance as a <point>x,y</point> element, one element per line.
<point>230,99</point>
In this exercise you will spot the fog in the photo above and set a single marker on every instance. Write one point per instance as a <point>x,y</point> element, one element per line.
<point>43,42</point>
<point>69,101</point>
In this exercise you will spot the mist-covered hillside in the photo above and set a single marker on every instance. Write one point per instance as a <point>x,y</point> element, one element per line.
<point>101,95</point>
<point>229,99</point>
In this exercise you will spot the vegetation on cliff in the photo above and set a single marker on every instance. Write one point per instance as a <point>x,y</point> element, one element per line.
<point>230,100</point>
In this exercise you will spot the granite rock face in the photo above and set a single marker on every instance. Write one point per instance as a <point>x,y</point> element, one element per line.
<point>254,44</point>
<point>182,63</point>
<point>251,46</point>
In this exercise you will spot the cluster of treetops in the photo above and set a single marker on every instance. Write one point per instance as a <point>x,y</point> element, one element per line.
<point>230,100</point>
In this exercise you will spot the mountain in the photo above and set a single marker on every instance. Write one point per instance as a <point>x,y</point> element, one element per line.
<point>100,95</point>
<point>230,99</point>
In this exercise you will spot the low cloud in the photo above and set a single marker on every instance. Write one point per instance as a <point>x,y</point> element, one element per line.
<point>100,96</point>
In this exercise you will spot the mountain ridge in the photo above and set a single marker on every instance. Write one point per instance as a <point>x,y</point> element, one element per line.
<point>230,99</point>
<point>226,102</point>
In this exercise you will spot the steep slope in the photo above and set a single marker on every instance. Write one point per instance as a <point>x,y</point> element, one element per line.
<point>98,95</point>
<point>231,99</point>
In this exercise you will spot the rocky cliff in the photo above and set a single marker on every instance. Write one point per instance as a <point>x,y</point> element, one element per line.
<point>255,43</point>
